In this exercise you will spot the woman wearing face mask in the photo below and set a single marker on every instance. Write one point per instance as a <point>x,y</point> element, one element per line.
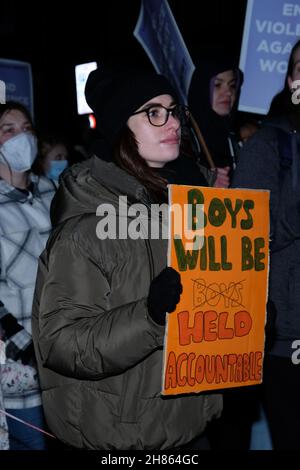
<point>24,228</point>
<point>101,298</point>
<point>213,97</point>
<point>53,157</point>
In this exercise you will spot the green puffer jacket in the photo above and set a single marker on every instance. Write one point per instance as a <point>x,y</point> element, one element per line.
<point>99,353</point>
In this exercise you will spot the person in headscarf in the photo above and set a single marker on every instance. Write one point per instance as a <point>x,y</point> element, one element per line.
<point>212,99</point>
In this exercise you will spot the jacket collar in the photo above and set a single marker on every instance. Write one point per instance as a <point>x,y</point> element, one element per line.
<point>20,195</point>
<point>118,180</point>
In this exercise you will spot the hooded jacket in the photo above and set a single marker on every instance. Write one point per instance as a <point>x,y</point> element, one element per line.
<point>215,129</point>
<point>99,353</point>
<point>24,230</point>
<point>263,166</point>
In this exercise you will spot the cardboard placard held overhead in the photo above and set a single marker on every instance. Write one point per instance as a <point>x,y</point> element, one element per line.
<point>159,35</point>
<point>215,338</point>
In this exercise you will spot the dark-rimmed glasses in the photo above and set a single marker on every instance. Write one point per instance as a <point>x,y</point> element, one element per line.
<point>158,114</point>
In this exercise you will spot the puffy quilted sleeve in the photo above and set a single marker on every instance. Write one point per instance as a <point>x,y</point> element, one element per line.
<point>84,332</point>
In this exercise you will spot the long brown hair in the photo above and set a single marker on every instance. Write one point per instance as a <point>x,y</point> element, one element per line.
<point>127,157</point>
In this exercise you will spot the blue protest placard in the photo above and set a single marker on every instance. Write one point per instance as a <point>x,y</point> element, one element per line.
<point>271,29</point>
<point>17,79</point>
<point>158,33</point>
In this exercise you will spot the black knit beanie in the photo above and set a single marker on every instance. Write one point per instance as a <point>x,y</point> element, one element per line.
<point>114,93</point>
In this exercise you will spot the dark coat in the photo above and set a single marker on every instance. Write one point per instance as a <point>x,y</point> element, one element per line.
<point>215,129</point>
<point>262,166</point>
<point>99,353</point>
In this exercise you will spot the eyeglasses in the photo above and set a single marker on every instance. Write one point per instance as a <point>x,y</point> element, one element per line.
<point>158,115</point>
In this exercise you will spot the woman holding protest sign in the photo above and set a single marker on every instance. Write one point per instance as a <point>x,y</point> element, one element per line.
<point>103,288</point>
<point>270,160</point>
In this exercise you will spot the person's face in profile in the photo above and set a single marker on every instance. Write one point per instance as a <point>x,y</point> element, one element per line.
<point>224,92</point>
<point>157,144</point>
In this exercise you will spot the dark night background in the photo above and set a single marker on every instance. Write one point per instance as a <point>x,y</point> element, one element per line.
<point>55,36</point>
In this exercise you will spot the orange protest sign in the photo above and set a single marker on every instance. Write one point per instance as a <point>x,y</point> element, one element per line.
<point>219,245</point>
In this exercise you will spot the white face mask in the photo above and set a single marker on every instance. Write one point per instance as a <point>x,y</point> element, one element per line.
<point>19,152</point>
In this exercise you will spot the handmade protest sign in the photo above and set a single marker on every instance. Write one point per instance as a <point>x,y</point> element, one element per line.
<point>158,33</point>
<point>16,82</point>
<point>271,29</point>
<point>219,245</point>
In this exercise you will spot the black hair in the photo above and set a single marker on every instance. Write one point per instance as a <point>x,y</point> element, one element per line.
<point>282,103</point>
<point>46,142</point>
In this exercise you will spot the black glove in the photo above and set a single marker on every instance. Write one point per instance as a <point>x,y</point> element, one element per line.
<point>10,325</point>
<point>164,295</point>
